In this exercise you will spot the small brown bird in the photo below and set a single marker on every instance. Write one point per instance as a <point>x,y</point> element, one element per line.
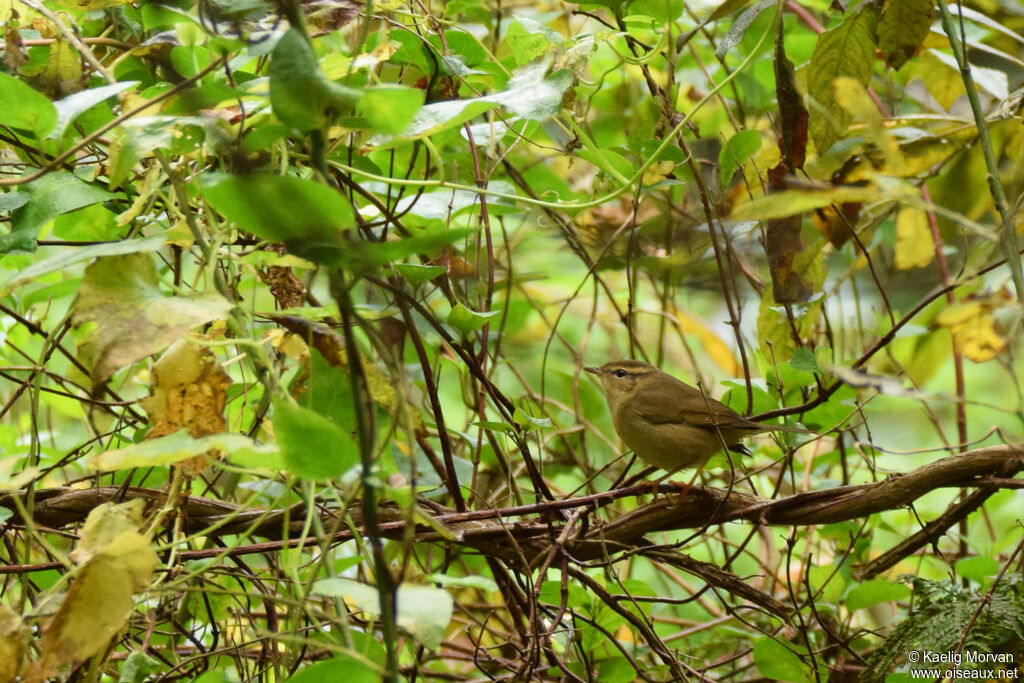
<point>668,423</point>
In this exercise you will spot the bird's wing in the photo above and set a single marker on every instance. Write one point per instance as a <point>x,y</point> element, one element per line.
<point>710,414</point>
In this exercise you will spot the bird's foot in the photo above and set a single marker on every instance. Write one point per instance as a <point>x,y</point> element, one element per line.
<point>681,496</point>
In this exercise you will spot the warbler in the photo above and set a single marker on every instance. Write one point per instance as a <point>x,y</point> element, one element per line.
<point>668,423</point>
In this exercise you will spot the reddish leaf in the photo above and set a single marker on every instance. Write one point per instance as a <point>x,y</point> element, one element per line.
<point>792,112</point>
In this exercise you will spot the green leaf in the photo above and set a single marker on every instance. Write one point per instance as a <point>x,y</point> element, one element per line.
<point>803,359</point>
<point>416,274</point>
<point>977,568</point>
<point>312,220</point>
<point>794,202</point>
<point>167,450</point>
<point>337,668</point>
<point>69,257</point>
<point>19,242</point>
<point>902,28</point>
<point>156,16</point>
<point>93,223</point>
<point>189,60</point>
<point>23,108</point>
<point>521,418</point>
<point>826,583</point>
<point>215,677</point>
<point>727,8</point>
<point>846,50</point>
<point>528,94</point>
<point>436,117</point>
<point>778,662</point>
<point>309,217</point>
<point>313,446</point>
<point>615,670</point>
<point>875,592</point>
<point>532,95</point>
<point>411,50</point>
<point>329,392</point>
<point>662,11</point>
<point>576,596</point>
<point>791,377</point>
<point>609,162</point>
<point>736,151</point>
<point>495,426</point>
<point>13,476</point>
<point>138,138</point>
<point>300,94</point>
<point>389,109</point>
<point>12,199</point>
<point>739,27</point>
<point>467,321</point>
<point>50,196</point>
<point>447,203</point>
<point>69,108</point>
<point>524,45</point>
<point>611,4</point>
<point>423,611</point>
<point>132,317</point>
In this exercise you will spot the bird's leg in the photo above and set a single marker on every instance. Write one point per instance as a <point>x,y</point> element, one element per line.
<point>659,481</point>
<point>686,490</point>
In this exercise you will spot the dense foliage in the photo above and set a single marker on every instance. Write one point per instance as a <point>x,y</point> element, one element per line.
<point>296,299</point>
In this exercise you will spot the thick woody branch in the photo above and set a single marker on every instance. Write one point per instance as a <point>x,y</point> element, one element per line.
<point>985,468</point>
<point>524,536</point>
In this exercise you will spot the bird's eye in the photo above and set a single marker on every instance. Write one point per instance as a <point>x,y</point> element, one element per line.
<point>620,373</point>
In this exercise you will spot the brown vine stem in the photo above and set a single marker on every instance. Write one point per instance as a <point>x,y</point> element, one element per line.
<point>523,537</point>
<point>988,467</point>
<point>928,534</point>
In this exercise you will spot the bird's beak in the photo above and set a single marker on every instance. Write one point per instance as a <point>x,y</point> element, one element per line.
<point>594,371</point>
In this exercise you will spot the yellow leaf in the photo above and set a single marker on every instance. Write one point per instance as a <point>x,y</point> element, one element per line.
<point>149,185</point>
<point>794,202</point>
<point>981,342</point>
<point>189,390</point>
<point>6,7</point>
<point>942,81</point>
<point>914,247</point>
<point>13,639</point>
<point>853,96</point>
<point>97,605</point>
<point>717,350</point>
<point>129,314</point>
<point>959,314</point>
<point>11,480</point>
<point>105,523</point>
<point>973,328</point>
<point>658,171</point>
<point>180,235</point>
<point>63,74</point>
